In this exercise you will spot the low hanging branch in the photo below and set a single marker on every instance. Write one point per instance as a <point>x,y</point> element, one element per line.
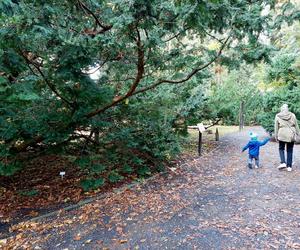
<point>140,66</point>
<point>189,76</point>
<point>138,78</point>
<point>206,127</point>
<point>214,123</point>
<point>28,143</point>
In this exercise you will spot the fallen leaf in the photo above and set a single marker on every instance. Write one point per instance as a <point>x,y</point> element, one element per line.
<point>119,230</point>
<point>296,245</point>
<point>33,213</point>
<point>3,241</point>
<point>77,237</point>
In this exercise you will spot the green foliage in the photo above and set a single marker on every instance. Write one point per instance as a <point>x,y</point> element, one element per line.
<point>83,162</point>
<point>144,171</point>
<point>282,78</point>
<point>114,177</point>
<point>29,193</point>
<point>227,91</point>
<point>263,87</point>
<point>90,163</point>
<point>274,100</point>
<point>160,168</point>
<point>98,168</point>
<point>10,168</point>
<point>282,70</point>
<point>91,184</point>
<point>126,169</point>
<point>151,60</point>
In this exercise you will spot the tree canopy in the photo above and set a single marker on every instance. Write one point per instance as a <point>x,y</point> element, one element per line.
<point>112,77</point>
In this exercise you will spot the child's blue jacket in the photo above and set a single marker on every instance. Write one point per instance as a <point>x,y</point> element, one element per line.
<point>254,146</point>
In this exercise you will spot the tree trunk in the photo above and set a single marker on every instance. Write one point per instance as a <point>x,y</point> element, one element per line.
<point>241,116</point>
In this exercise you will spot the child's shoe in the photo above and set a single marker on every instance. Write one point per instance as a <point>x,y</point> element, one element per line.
<point>250,166</point>
<point>256,166</point>
<point>281,166</point>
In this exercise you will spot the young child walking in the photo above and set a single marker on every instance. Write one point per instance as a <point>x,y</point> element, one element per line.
<point>253,145</point>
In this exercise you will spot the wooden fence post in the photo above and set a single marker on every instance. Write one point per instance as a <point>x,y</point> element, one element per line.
<point>200,143</point>
<point>217,134</point>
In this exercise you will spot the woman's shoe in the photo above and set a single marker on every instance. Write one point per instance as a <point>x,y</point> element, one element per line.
<point>281,166</point>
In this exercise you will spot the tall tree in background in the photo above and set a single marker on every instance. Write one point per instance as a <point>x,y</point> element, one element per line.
<point>281,77</point>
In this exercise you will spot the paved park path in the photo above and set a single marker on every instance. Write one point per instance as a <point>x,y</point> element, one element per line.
<point>211,202</point>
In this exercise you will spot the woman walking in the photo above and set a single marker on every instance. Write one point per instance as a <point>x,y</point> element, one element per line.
<point>286,130</point>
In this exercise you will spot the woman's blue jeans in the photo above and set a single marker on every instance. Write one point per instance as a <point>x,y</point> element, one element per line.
<point>289,152</point>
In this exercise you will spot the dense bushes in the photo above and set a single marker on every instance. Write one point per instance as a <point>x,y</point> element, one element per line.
<point>272,102</point>
<point>282,77</point>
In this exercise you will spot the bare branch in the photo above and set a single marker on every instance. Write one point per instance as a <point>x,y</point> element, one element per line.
<point>214,123</point>
<point>103,26</point>
<point>99,67</point>
<point>176,35</point>
<point>214,37</point>
<point>23,146</point>
<point>28,65</point>
<point>86,137</point>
